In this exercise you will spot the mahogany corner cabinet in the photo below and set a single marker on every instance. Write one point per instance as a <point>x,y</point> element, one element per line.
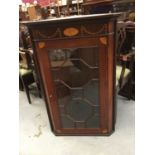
<point>75,57</point>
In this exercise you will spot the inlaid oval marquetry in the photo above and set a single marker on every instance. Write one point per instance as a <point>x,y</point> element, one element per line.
<point>41,44</point>
<point>71,31</point>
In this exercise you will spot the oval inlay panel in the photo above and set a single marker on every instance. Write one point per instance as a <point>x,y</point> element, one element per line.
<point>71,31</point>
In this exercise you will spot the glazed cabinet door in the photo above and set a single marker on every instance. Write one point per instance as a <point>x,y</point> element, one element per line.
<point>74,74</point>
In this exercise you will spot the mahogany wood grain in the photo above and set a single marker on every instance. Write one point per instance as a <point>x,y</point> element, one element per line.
<point>85,31</point>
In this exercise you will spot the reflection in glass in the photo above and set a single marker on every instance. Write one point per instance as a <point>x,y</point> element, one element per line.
<point>75,73</point>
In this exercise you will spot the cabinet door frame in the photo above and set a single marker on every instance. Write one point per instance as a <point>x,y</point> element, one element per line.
<point>42,54</point>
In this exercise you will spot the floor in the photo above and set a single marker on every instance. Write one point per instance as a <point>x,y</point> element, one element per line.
<point>36,137</point>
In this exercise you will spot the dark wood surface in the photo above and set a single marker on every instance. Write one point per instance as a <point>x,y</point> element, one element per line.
<point>82,31</point>
<point>72,19</point>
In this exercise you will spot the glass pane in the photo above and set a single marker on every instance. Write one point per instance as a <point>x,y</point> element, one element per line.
<point>75,73</point>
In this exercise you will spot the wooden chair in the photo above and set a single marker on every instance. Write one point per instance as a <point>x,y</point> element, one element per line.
<point>26,72</point>
<point>125,61</point>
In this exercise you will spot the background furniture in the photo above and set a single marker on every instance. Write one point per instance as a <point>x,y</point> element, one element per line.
<point>27,75</point>
<point>27,69</point>
<point>76,61</point>
<point>105,6</point>
<point>125,58</point>
<point>97,6</point>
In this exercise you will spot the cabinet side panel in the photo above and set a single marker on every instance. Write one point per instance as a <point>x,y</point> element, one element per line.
<point>111,77</point>
<point>103,61</point>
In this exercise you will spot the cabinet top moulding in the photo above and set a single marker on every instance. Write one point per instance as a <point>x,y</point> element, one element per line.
<point>72,18</point>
